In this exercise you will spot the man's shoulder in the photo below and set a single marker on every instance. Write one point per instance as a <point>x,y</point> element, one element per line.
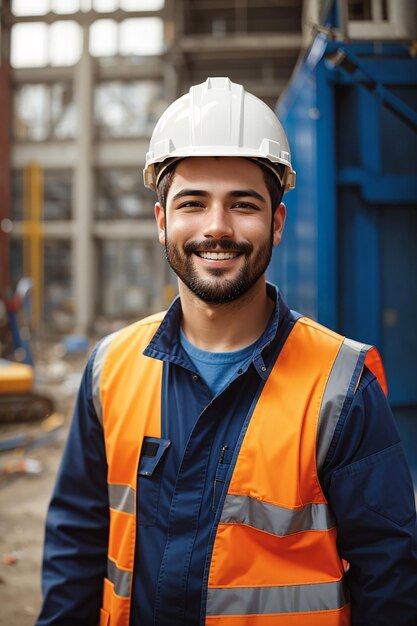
<point>351,350</point>
<point>315,327</point>
<point>132,335</point>
<point>141,328</point>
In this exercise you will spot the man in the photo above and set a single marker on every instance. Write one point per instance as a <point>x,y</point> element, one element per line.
<point>230,463</point>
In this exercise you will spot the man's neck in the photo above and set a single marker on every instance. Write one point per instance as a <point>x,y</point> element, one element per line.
<point>225,327</point>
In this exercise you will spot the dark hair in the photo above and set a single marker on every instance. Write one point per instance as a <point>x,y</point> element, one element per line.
<point>165,183</point>
<point>275,190</point>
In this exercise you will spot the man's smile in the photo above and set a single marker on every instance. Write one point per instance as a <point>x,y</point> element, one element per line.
<point>218,256</point>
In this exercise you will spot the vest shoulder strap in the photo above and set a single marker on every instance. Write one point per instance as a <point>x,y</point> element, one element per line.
<point>134,337</point>
<point>342,383</point>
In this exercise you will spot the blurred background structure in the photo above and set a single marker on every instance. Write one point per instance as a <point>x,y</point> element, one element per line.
<point>87,81</point>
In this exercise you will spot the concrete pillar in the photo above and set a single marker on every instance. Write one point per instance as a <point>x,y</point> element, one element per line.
<point>83,253</point>
<point>403,18</point>
<point>377,11</point>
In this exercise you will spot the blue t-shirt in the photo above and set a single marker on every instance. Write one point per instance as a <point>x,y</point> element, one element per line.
<point>217,368</point>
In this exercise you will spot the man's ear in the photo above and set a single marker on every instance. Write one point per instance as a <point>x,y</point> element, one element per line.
<point>279,222</point>
<point>160,221</point>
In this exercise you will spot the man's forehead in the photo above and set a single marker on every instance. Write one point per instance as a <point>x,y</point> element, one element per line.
<point>233,172</point>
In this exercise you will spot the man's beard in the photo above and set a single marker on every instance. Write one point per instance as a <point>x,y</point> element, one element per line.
<point>221,290</point>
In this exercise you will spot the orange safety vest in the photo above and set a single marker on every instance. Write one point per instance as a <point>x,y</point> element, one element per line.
<point>274,559</point>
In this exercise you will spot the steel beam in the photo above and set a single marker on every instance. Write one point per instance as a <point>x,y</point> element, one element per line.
<point>82,250</point>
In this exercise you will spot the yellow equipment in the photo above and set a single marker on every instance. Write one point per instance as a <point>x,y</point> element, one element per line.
<point>18,401</point>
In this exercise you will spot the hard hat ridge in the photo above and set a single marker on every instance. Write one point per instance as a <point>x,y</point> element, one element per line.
<point>218,118</point>
<point>216,108</point>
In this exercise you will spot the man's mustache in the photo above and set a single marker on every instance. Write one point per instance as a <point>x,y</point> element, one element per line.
<point>225,245</point>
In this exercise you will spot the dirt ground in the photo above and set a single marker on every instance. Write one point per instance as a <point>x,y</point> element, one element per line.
<point>24,497</point>
<point>23,502</point>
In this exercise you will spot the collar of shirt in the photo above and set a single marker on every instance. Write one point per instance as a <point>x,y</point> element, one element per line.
<point>165,344</point>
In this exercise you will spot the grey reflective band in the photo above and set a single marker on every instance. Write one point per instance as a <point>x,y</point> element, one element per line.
<point>120,578</point>
<point>275,519</point>
<point>97,370</point>
<point>276,600</point>
<point>122,498</point>
<point>335,394</point>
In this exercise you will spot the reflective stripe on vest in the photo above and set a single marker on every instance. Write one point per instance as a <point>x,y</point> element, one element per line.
<point>122,498</point>
<point>274,518</point>
<point>121,579</point>
<point>97,373</point>
<point>349,361</point>
<point>264,600</point>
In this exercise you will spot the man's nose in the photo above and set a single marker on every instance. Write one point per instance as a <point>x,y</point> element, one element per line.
<point>218,223</point>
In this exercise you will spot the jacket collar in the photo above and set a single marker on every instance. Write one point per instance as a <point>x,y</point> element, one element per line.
<point>165,344</point>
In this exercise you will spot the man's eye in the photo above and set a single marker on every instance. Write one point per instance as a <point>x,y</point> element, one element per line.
<point>191,204</point>
<point>245,206</point>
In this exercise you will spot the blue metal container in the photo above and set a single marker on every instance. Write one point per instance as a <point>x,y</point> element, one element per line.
<point>349,255</point>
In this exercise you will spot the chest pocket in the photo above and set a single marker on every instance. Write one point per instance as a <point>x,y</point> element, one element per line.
<point>151,464</point>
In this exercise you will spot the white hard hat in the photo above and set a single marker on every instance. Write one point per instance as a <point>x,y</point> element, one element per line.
<point>219,118</point>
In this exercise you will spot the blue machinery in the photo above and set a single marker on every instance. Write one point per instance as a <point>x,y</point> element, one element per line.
<point>349,256</point>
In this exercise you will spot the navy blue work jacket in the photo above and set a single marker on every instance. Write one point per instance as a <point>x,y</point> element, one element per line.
<point>365,478</point>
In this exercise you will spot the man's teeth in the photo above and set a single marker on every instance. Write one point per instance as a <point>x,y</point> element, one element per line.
<point>218,256</point>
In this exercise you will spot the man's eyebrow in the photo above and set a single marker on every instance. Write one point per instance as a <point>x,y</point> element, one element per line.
<point>190,192</point>
<point>244,193</point>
